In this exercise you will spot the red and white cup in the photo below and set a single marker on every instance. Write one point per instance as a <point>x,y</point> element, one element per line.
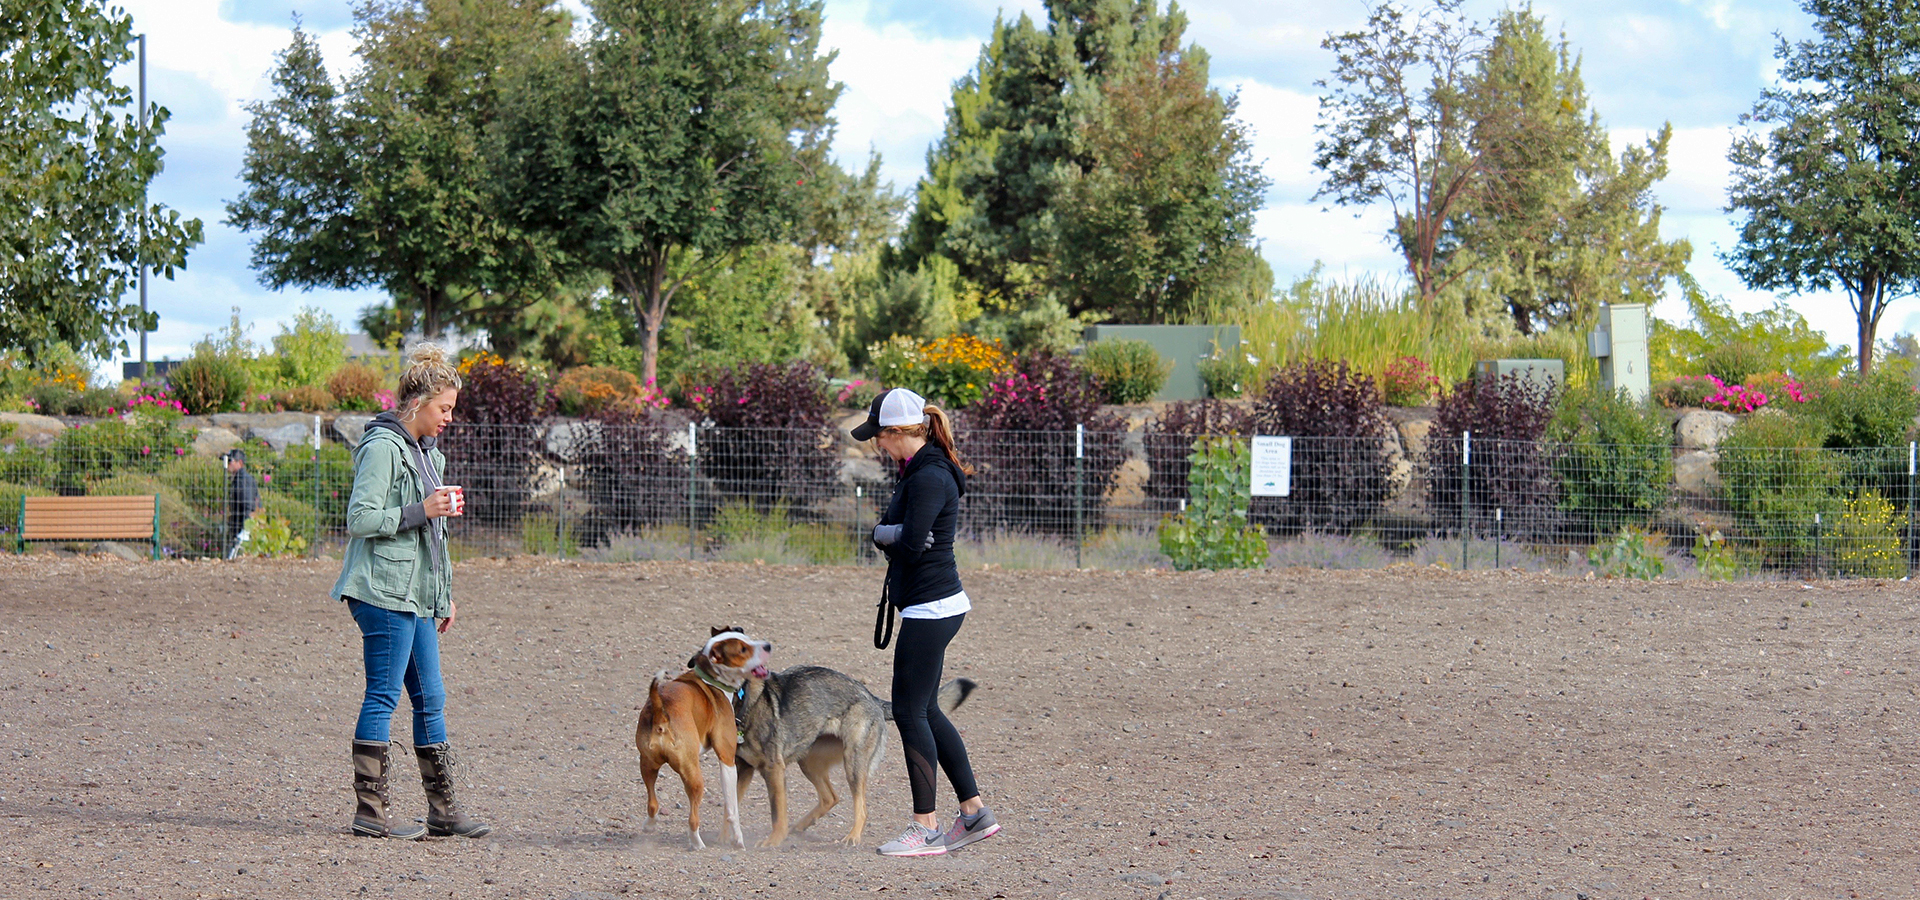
<point>457,498</point>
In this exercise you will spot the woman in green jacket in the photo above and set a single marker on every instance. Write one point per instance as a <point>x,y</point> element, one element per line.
<point>396,583</point>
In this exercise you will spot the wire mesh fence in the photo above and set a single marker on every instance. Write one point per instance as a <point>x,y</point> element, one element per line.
<point>668,489</point>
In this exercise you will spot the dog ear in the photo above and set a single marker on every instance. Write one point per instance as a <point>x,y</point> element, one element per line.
<point>717,631</point>
<point>693,662</point>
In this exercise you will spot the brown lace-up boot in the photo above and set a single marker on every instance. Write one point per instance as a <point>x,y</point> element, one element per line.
<point>370,788</point>
<point>443,813</point>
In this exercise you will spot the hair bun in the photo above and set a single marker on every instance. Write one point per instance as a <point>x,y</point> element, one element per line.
<point>427,353</point>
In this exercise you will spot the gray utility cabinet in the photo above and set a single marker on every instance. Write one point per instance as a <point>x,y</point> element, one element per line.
<point>1550,374</point>
<point>1183,345</point>
<point>1620,344</point>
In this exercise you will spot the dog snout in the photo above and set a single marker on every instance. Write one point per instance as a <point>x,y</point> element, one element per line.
<point>766,647</point>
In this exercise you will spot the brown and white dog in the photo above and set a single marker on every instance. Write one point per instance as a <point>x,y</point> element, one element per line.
<point>693,712</point>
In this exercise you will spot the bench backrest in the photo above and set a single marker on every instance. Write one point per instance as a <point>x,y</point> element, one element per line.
<point>87,518</point>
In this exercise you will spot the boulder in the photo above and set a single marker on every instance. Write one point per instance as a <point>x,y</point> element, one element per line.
<point>547,479</point>
<point>31,430</point>
<point>1703,429</point>
<point>349,427</point>
<point>213,441</point>
<point>1414,434</point>
<point>1129,485</point>
<point>280,437</point>
<point>243,422</point>
<point>567,439</point>
<point>1696,472</point>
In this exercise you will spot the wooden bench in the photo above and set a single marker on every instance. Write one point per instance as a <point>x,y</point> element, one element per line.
<point>90,519</point>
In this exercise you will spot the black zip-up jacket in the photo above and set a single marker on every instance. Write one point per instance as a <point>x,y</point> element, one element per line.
<point>927,500</point>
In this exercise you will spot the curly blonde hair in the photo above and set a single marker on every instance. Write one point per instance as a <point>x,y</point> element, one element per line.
<point>428,373</point>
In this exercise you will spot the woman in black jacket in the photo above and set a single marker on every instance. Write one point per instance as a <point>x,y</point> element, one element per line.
<point>924,584</point>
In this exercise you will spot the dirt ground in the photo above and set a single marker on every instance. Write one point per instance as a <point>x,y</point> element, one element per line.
<point>180,729</point>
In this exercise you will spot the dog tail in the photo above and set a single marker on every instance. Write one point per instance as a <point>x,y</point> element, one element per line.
<point>950,696</point>
<point>654,702</point>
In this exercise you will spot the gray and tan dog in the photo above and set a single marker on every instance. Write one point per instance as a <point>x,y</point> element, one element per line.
<point>816,717</point>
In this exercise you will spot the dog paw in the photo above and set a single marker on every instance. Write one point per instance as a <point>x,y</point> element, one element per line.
<point>772,841</point>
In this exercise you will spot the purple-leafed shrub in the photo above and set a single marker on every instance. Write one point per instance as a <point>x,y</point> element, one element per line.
<point>763,434</point>
<point>1020,436</point>
<point>490,443</point>
<point>1341,467</point>
<point>1169,441</point>
<point>1509,467</point>
<point>632,472</point>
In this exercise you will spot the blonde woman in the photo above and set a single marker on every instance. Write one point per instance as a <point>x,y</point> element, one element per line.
<point>396,581</point>
<point>923,583</point>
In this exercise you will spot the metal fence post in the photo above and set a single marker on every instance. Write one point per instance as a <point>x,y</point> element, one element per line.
<point>693,474</point>
<point>1816,544</point>
<point>1913,456</point>
<point>1079,468</point>
<point>1498,515</point>
<point>1466,508</point>
<point>560,513</point>
<point>858,492</point>
<point>313,549</point>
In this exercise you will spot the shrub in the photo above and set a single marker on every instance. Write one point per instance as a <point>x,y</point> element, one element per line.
<point>106,448</point>
<point>1714,558</point>
<point>1228,374</point>
<point>1686,390</point>
<point>302,398</point>
<point>543,534</point>
<point>1867,538</point>
<point>592,390</point>
<point>1214,532</point>
<point>321,478</point>
<point>1021,437</point>
<point>1341,466</point>
<point>209,383</point>
<point>356,386</point>
<point>764,435</point>
<point>1733,361</point>
<point>951,372</point>
<point>1169,439</point>
<point>1408,382</point>
<point>1869,421</point>
<point>1613,459</point>
<point>273,537</point>
<point>1781,388</point>
<point>304,352</point>
<point>1321,550</point>
<point>1777,478</point>
<point>490,444</point>
<point>857,393</point>
<point>633,473</point>
<point>1734,398</point>
<point>1634,552</point>
<point>10,495</point>
<point>1509,470</point>
<point>1127,371</point>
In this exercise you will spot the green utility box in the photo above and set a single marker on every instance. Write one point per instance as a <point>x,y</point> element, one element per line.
<point>1548,373</point>
<point>1620,344</point>
<point>1183,345</point>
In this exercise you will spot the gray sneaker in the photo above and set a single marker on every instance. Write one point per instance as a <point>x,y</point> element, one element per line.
<point>968,829</point>
<point>917,840</point>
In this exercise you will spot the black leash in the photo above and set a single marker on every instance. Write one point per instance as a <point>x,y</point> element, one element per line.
<point>883,614</point>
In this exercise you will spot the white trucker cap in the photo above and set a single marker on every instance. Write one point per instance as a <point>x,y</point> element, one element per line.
<point>893,408</point>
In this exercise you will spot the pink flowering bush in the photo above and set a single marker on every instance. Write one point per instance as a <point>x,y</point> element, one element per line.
<point>1408,381</point>
<point>1734,398</point>
<point>1780,386</point>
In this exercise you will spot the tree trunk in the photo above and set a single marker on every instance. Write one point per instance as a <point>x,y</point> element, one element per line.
<point>1869,302</point>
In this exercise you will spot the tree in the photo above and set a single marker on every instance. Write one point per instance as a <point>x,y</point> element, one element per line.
<point>1556,225</point>
<point>1505,191</point>
<point>1776,339</point>
<point>1829,190</point>
<point>1014,133</point>
<point>389,181</point>
<point>1165,209</point>
<point>686,132</point>
<point>75,221</point>
<point>1395,126</point>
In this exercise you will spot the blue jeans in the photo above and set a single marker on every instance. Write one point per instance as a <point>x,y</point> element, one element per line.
<point>400,649</point>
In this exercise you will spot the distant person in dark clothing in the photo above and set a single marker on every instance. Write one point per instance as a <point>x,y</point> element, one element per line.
<point>243,497</point>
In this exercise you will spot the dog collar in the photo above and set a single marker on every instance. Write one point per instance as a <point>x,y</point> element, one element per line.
<point>734,693</point>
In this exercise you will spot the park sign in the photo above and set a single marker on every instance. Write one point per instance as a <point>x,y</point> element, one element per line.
<point>1272,469</point>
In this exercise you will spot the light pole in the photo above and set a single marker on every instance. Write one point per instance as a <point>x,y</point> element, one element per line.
<point>146,368</point>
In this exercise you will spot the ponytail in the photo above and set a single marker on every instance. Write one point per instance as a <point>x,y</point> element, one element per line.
<point>940,432</point>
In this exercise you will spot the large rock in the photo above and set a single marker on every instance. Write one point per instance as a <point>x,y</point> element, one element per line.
<point>244,422</point>
<point>1696,472</point>
<point>30,429</point>
<point>568,439</point>
<point>214,440</point>
<point>349,427</point>
<point>1703,429</point>
<point>1414,434</point>
<point>1129,485</point>
<point>280,437</point>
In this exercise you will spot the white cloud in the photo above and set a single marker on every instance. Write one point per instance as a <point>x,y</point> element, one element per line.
<point>897,86</point>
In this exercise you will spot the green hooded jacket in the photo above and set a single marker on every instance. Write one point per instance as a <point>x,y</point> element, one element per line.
<point>387,565</point>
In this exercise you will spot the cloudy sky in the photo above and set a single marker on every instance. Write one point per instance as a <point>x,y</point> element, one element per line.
<point>1697,64</point>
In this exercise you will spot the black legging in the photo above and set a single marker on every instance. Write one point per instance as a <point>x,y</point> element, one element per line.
<point>929,738</point>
